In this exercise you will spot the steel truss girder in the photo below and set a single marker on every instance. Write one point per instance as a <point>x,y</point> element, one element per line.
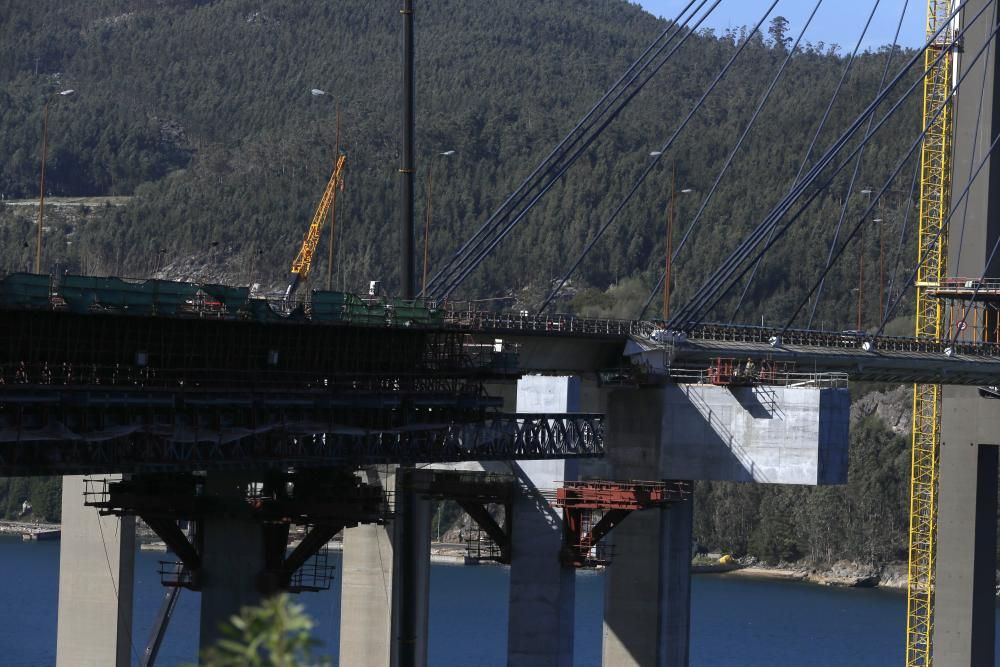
<point>501,437</point>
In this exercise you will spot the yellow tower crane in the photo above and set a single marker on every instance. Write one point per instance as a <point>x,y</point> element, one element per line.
<point>302,263</point>
<point>935,192</point>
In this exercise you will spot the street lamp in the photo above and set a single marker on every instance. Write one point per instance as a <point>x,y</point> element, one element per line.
<point>427,217</point>
<point>41,180</point>
<point>319,92</point>
<point>668,261</point>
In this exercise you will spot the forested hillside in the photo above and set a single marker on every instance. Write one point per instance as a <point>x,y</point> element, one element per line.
<point>201,111</point>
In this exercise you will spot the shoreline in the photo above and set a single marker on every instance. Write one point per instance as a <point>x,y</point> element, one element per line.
<point>833,577</point>
<point>844,575</point>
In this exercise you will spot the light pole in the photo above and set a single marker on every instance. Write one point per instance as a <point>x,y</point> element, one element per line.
<point>41,180</point>
<point>861,267</point>
<point>881,266</point>
<point>668,259</point>
<point>317,92</point>
<point>427,217</point>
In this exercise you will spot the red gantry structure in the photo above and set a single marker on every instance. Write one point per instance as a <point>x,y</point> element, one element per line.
<point>591,509</point>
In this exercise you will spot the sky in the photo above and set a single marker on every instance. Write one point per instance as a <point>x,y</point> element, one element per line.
<point>836,22</point>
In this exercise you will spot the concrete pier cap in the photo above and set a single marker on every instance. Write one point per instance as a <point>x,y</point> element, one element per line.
<point>765,434</point>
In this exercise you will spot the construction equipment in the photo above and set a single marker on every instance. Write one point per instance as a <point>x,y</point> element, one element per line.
<point>302,263</point>
<point>935,192</point>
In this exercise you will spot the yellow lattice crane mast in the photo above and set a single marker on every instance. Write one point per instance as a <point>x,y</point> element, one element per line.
<point>302,263</point>
<point>935,192</point>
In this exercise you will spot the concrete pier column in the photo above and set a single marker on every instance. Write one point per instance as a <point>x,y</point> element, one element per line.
<point>366,596</point>
<point>964,599</point>
<point>96,563</point>
<point>371,622</point>
<point>647,602</point>
<point>411,579</point>
<point>648,586</point>
<point>542,590</point>
<point>232,557</point>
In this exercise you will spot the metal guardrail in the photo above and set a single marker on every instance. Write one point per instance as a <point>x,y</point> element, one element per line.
<point>223,302</point>
<point>847,340</point>
<point>549,324</point>
<point>236,381</point>
<point>827,380</point>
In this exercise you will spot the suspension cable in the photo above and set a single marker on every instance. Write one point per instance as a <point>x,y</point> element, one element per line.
<point>820,128</point>
<point>579,130</point>
<point>714,283</point>
<point>850,186</point>
<point>460,268</point>
<point>663,149</point>
<point>739,144</point>
<point>717,294</point>
<point>937,237</point>
<point>863,219</point>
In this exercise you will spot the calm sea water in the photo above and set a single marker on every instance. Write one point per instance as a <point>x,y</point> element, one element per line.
<point>735,621</point>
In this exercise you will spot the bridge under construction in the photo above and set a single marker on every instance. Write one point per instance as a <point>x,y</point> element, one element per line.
<point>227,421</point>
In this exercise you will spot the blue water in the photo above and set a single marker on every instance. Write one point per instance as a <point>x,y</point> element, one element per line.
<point>735,621</point>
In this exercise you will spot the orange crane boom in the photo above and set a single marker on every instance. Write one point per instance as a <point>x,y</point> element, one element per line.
<point>302,263</point>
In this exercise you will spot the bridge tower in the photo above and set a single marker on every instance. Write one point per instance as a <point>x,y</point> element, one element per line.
<point>965,563</point>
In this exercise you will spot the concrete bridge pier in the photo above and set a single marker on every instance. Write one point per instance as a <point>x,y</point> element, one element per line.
<point>540,626</point>
<point>763,434</point>
<point>366,596</point>
<point>647,588</point>
<point>964,593</point>
<point>377,625</point>
<point>96,564</point>
<point>232,548</point>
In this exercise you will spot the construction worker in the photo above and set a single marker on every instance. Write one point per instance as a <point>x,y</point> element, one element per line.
<point>750,370</point>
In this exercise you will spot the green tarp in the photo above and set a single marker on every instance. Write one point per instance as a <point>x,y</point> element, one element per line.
<point>329,306</point>
<point>25,290</point>
<point>146,297</point>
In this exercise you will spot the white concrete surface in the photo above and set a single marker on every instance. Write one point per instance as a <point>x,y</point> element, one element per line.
<point>542,591</point>
<point>96,563</point>
<point>366,596</point>
<point>775,435</point>
<point>366,589</point>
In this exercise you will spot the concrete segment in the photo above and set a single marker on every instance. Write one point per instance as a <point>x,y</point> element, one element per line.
<point>647,587</point>
<point>366,596</point>
<point>964,614</point>
<point>96,563</point>
<point>232,559</point>
<point>540,626</point>
<point>964,601</point>
<point>366,589</point>
<point>777,435</point>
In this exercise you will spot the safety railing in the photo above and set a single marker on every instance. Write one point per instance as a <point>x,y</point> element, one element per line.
<point>549,324</point>
<point>191,379</point>
<point>759,375</point>
<point>848,340</point>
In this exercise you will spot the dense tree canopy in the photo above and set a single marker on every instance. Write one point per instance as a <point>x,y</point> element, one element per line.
<point>202,110</point>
